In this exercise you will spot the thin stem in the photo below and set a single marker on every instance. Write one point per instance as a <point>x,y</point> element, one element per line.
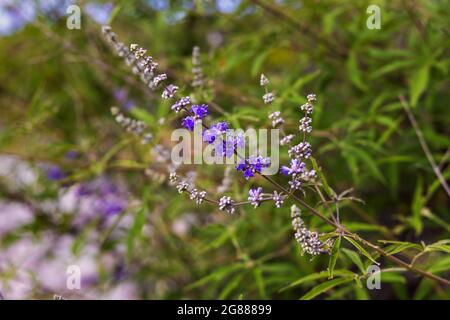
<point>424,145</point>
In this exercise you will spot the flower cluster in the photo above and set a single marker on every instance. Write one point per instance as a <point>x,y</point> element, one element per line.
<point>256,196</point>
<point>181,103</point>
<point>198,112</point>
<point>305,124</point>
<point>252,165</point>
<point>214,131</point>
<point>308,240</point>
<point>278,198</point>
<point>136,57</point>
<point>227,204</point>
<point>301,151</point>
<point>134,126</point>
<point>182,185</point>
<point>287,139</point>
<point>268,97</point>
<point>276,118</point>
<point>169,91</point>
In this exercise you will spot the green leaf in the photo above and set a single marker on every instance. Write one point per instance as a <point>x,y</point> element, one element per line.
<point>325,184</point>
<point>416,207</point>
<point>317,276</point>
<point>439,246</point>
<point>259,279</point>
<point>418,84</point>
<point>217,275</point>
<point>333,257</point>
<point>354,73</point>
<point>136,229</point>
<point>396,248</point>
<point>324,287</point>
<point>392,277</point>
<point>258,62</point>
<point>440,265</point>
<point>354,257</point>
<point>231,286</point>
<point>396,65</point>
<point>361,249</point>
<point>367,159</point>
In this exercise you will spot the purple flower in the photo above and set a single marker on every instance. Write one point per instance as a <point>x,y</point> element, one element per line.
<point>285,170</point>
<point>121,95</point>
<point>54,173</point>
<point>111,207</point>
<point>99,12</point>
<point>302,150</point>
<point>100,196</point>
<point>227,204</point>
<point>278,198</point>
<point>199,110</point>
<point>259,163</point>
<point>222,126</point>
<point>188,122</point>
<point>297,167</point>
<point>71,154</point>
<point>255,196</point>
<point>252,165</point>
<point>215,130</point>
<point>239,140</point>
<point>14,15</point>
<point>180,104</point>
<point>169,91</point>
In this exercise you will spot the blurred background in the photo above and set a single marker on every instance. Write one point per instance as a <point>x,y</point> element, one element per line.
<point>76,189</point>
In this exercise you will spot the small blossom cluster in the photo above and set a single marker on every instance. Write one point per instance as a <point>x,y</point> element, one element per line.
<point>297,170</point>
<point>276,118</point>
<point>286,140</point>
<point>308,240</point>
<point>308,106</point>
<point>169,91</point>
<point>256,196</point>
<point>198,112</point>
<point>183,186</point>
<point>227,204</point>
<point>226,141</point>
<point>198,80</point>
<point>180,103</point>
<point>252,165</point>
<point>134,126</point>
<point>268,97</point>
<point>137,59</point>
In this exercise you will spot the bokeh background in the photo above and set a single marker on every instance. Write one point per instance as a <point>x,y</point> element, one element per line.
<point>75,189</point>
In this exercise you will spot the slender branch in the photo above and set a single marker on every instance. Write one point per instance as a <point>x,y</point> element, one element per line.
<point>424,145</point>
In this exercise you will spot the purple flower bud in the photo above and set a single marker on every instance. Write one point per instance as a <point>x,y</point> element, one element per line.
<point>54,173</point>
<point>188,123</point>
<point>199,110</point>
<point>255,196</point>
<point>252,165</point>
<point>169,91</point>
<point>285,170</point>
<point>183,102</point>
